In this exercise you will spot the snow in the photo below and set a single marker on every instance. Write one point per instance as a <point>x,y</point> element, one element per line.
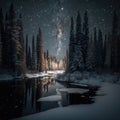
<point>35,75</point>
<point>51,98</point>
<point>106,107</point>
<point>58,97</point>
<point>73,90</point>
<point>89,78</point>
<point>6,77</point>
<point>43,74</point>
<point>56,72</point>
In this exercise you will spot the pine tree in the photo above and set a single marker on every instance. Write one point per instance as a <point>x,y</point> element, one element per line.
<point>6,44</point>
<point>78,26</point>
<point>29,59</point>
<point>34,61</point>
<point>115,42</point>
<point>90,57</point>
<point>1,26</point>
<point>100,50</point>
<point>86,38</point>
<point>78,29</point>
<point>45,61</point>
<point>22,58</point>
<point>11,27</point>
<point>71,47</point>
<point>108,51</point>
<point>78,45</point>
<point>18,53</point>
<point>95,48</point>
<point>104,49</point>
<point>1,37</point>
<point>48,60</point>
<point>39,47</point>
<point>67,60</point>
<point>0,51</point>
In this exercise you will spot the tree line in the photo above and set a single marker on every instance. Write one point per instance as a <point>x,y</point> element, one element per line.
<point>93,52</point>
<point>16,55</point>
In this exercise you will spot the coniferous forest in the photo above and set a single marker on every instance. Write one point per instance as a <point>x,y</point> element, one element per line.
<point>87,51</point>
<point>16,55</point>
<point>59,57</point>
<point>95,51</point>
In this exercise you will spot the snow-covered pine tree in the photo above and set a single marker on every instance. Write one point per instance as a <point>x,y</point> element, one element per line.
<point>22,58</point>
<point>90,55</point>
<point>71,66</point>
<point>104,49</point>
<point>12,30</point>
<point>108,51</point>
<point>115,41</point>
<point>95,48</point>
<point>16,47</point>
<point>10,35</point>
<point>78,42</point>
<point>100,50</point>
<point>86,38</point>
<point>78,64</point>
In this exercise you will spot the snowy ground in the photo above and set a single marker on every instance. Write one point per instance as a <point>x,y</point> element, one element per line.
<point>35,75</point>
<point>106,107</point>
<point>89,78</point>
<point>107,101</point>
<point>43,74</point>
<point>7,76</point>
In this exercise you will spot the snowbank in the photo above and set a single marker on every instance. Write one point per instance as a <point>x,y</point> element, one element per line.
<point>73,90</point>
<point>105,108</point>
<point>89,78</point>
<point>42,74</point>
<point>51,98</point>
<point>35,75</point>
<point>56,72</point>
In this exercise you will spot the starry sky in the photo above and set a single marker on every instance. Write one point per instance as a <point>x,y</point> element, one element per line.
<point>53,17</point>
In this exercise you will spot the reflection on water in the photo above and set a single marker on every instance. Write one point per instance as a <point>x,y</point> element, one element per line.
<point>19,98</point>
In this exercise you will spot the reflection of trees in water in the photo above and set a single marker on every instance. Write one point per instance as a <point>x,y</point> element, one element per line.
<point>38,94</point>
<point>34,91</point>
<point>11,99</point>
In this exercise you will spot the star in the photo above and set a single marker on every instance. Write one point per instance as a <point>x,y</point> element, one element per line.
<point>62,8</point>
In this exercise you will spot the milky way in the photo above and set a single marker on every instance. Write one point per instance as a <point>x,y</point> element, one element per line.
<point>53,16</point>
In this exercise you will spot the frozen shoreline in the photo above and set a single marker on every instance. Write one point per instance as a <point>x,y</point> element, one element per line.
<point>89,78</point>
<point>8,76</point>
<point>106,107</point>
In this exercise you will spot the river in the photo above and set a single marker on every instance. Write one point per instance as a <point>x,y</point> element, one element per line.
<point>19,97</point>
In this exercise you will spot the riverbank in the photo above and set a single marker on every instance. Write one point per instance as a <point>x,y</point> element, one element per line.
<point>106,107</point>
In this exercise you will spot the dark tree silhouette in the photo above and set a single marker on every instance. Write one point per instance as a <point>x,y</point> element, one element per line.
<point>71,46</point>
<point>86,38</point>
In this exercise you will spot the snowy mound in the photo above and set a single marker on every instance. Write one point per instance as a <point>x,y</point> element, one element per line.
<point>36,75</point>
<point>73,90</point>
<point>56,72</point>
<point>51,98</point>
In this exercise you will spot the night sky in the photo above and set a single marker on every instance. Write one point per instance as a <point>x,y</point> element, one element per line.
<point>53,17</point>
